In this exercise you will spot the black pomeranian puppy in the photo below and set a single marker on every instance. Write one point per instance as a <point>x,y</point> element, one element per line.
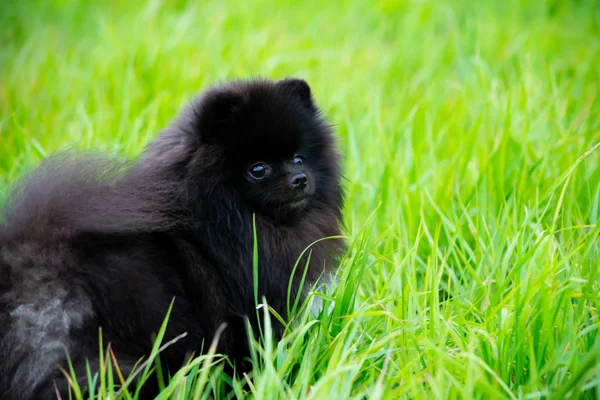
<point>88,243</point>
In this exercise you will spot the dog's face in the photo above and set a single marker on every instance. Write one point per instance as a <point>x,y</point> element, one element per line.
<point>277,150</point>
<point>282,186</point>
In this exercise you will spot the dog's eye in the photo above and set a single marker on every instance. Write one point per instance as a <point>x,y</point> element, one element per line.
<point>298,159</point>
<point>258,170</point>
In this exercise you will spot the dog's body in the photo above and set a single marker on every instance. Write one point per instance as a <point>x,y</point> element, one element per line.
<point>87,244</point>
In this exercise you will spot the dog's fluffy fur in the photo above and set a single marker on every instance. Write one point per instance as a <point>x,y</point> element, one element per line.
<point>89,243</point>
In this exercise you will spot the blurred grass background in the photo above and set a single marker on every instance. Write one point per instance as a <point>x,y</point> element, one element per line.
<point>470,132</point>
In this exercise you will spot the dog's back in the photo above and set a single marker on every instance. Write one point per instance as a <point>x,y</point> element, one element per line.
<point>77,253</point>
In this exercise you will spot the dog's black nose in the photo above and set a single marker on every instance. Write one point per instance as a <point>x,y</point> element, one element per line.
<point>299,181</point>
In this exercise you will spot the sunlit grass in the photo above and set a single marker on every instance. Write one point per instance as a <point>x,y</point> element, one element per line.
<point>470,135</point>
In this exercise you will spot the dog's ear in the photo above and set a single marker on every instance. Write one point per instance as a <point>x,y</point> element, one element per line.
<point>298,88</point>
<point>220,105</point>
<point>215,109</point>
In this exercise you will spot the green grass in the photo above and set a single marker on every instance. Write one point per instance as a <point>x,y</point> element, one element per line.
<point>470,131</point>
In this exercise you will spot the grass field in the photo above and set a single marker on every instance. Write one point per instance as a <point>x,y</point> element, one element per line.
<point>470,132</point>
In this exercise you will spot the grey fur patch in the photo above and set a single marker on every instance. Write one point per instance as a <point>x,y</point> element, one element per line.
<point>326,286</point>
<point>40,333</point>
